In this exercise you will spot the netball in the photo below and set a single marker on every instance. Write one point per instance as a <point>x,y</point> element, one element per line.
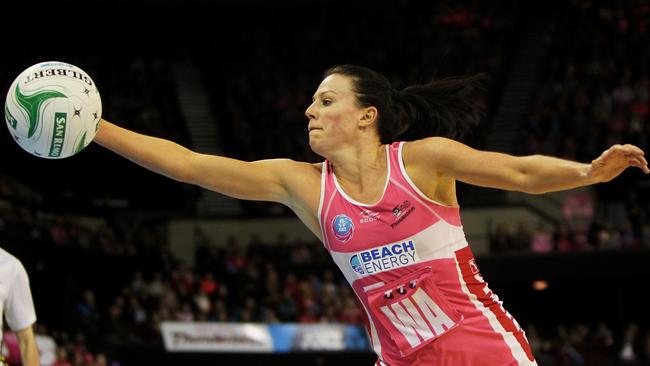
<point>53,109</point>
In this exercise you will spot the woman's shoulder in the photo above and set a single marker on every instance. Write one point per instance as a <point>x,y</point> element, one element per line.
<point>294,167</point>
<point>426,147</point>
<point>317,166</point>
<point>429,141</point>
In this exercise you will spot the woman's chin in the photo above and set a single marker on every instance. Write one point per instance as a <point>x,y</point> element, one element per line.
<point>316,147</point>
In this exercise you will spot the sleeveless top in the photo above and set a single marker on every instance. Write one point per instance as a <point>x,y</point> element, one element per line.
<point>409,264</point>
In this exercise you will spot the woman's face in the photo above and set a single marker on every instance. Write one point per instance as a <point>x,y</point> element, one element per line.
<point>333,114</point>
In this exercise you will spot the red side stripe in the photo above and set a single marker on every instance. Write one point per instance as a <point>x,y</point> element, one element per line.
<point>480,289</point>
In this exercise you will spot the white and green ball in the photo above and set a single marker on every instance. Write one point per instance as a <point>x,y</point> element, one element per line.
<point>53,110</point>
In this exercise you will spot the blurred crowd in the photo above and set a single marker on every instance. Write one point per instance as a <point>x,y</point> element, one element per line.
<point>585,225</point>
<point>590,344</point>
<point>593,93</point>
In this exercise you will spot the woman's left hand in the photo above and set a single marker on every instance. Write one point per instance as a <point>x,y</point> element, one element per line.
<point>613,161</point>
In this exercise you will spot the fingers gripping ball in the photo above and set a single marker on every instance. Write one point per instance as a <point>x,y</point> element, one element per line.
<point>53,110</point>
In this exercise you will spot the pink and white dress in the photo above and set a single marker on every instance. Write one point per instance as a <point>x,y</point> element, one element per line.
<point>408,261</point>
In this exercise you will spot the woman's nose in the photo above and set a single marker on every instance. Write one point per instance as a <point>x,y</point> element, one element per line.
<point>309,112</point>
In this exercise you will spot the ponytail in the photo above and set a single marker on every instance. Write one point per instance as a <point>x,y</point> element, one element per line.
<point>446,107</point>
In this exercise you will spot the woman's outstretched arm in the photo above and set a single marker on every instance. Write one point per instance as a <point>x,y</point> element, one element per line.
<point>531,174</point>
<point>260,180</point>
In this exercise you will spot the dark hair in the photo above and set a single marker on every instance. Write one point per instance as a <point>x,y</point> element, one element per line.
<point>445,107</point>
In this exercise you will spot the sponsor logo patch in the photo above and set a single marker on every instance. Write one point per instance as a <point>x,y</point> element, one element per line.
<point>368,216</point>
<point>402,211</point>
<point>384,258</point>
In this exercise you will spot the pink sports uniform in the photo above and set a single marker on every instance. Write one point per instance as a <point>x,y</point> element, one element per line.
<point>409,264</point>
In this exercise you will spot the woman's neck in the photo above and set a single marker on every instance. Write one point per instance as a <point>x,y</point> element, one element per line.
<point>361,171</point>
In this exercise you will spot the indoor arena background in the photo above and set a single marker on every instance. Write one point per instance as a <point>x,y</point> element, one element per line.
<point>113,251</point>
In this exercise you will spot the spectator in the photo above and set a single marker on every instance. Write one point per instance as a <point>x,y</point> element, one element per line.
<point>542,240</point>
<point>17,307</point>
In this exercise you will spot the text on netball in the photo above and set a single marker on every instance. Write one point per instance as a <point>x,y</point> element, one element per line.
<point>58,135</point>
<point>58,72</point>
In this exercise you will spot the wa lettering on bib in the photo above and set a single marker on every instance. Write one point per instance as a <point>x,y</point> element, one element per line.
<point>413,311</point>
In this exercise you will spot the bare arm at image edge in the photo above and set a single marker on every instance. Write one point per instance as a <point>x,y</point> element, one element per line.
<point>28,349</point>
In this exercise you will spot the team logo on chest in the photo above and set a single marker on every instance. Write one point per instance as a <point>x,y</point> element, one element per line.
<point>343,228</point>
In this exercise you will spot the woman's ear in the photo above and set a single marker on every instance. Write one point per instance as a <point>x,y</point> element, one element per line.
<point>368,117</point>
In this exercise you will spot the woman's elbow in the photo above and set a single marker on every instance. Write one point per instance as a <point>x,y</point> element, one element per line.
<point>535,191</point>
<point>526,184</point>
<point>185,169</point>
